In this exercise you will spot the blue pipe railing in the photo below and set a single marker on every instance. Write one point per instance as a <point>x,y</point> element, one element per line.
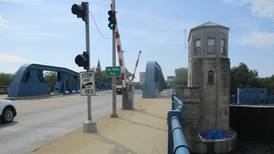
<point>176,138</point>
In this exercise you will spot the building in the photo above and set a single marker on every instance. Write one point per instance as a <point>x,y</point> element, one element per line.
<point>142,78</point>
<point>170,78</point>
<point>209,69</point>
<point>207,95</point>
<point>98,68</point>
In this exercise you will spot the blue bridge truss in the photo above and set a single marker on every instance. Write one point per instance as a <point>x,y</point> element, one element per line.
<point>29,81</point>
<point>154,81</point>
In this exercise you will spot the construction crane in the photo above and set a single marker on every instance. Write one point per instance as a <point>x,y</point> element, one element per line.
<point>133,76</point>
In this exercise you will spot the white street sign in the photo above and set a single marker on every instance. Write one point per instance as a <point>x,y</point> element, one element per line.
<point>87,83</point>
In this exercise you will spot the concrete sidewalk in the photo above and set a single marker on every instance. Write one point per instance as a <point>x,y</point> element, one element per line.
<point>139,131</point>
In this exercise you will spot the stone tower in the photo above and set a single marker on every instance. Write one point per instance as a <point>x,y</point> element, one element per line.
<point>209,68</point>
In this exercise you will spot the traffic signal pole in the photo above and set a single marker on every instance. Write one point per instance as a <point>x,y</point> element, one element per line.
<point>127,97</point>
<point>88,126</point>
<point>88,69</point>
<point>83,60</point>
<point>114,112</point>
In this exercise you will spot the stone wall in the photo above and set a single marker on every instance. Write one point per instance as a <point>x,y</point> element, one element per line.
<point>188,92</point>
<point>191,121</point>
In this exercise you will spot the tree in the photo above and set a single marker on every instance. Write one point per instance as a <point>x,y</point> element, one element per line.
<point>5,79</point>
<point>181,77</point>
<point>100,76</point>
<point>267,82</point>
<point>243,77</point>
<point>50,79</point>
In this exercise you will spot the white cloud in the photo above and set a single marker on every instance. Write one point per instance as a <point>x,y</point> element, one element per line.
<point>10,63</point>
<point>238,2</point>
<point>36,36</point>
<point>3,23</point>
<point>40,34</point>
<point>258,39</point>
<point>20,1</point>
<point>12,59</point>
<point>263,8</point>
<point>260,8</point>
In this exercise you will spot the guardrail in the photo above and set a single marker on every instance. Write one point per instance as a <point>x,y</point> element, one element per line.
<point>176,138</point>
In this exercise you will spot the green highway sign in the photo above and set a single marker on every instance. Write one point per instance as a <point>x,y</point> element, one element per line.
<point>113,71</point>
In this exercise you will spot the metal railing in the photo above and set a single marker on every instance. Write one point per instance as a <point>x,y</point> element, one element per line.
<point>176,138</point>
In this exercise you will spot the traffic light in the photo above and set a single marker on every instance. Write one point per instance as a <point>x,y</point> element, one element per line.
<point>111,19</point>
<point>80,10</point>
<point>82,60</point>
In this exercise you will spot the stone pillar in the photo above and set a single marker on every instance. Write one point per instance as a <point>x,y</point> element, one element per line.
<point>128,97</point>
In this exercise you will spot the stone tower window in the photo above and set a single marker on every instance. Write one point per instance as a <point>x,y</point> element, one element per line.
<point>222,46</point>
<point>197,46</point>
<point>210,78</point>
<point>210,45</point>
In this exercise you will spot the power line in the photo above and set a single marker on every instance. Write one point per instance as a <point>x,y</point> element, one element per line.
<point>102,35</point>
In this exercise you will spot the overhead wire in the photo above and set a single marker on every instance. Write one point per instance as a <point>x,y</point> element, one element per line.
<point>98,29</point>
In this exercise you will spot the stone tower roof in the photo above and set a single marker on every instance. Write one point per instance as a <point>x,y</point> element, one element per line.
<point>209,24</point>
<point>204,25</point>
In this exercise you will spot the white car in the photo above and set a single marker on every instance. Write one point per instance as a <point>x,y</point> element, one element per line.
<point>7,111</point>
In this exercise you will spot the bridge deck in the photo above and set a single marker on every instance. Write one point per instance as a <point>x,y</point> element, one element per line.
<point>143,130</point>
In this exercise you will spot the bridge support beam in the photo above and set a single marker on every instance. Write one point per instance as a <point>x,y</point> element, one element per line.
<point>154,81</point>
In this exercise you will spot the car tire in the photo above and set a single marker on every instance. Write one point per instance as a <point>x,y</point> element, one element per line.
<point>8,115</point>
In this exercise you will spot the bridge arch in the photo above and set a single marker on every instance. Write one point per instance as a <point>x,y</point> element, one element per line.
<point>29,81</point>
<point>154,81</point>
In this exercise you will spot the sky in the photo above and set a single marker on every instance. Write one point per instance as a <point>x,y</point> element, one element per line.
<point>46,32</point>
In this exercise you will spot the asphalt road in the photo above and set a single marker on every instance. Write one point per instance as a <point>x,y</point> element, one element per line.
<point>40,121</point>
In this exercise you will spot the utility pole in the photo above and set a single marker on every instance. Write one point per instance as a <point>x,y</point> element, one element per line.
<point>126,103</point>
<point>114,112</point>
